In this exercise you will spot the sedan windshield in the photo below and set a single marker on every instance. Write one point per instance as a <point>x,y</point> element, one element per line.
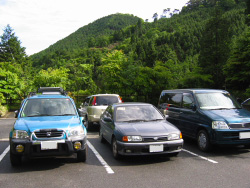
<point>216,101</point>
<point>48,107</point>
<point>137,113</point>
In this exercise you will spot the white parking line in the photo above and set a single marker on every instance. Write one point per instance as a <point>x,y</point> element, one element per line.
<point>4,139</point>
<point>99,157</point>
<point>207,159</point>
<point>4,153</point>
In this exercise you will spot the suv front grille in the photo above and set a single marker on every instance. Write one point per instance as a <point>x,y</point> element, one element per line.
<point>49,133</point>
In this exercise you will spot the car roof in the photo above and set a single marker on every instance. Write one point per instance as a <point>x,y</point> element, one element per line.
<point>105,95</point>
<point>196,91</point>
<point>130,104</point>
<point>49,96</point>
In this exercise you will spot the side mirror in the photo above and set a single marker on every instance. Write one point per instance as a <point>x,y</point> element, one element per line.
<point>81,113</point>
<point>193,107</point>
<point>107,119</point>
<point>16,113</point>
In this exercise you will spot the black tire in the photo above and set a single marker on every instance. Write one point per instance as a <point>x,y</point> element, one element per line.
<point>203,141</point>
<point>16,160</point>
<point>88,124</point>
<point>173,154</point>
<point>102,140</point>
<point>82,155</point>
<point>116,155</point>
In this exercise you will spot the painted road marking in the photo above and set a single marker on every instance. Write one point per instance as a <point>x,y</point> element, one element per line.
<point>205,158</point>
<point>99,157</point>
<point>4,153</point>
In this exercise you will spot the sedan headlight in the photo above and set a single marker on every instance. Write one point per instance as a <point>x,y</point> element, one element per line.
<point>219,125</point>
<point>132,138</point>
<point>78,131</point>
<point>174,136</point>
<point>20,134</point>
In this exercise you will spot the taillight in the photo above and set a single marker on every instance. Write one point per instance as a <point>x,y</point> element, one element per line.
<point>121,100</point>
<point>167,106</point>
<point>94,101</point>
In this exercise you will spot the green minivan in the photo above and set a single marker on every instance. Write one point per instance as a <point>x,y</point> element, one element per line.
<point>212,117</point>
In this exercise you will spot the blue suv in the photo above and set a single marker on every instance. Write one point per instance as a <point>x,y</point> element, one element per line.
<point>48,124</point>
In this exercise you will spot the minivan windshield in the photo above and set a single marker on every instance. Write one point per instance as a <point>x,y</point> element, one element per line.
<point>48,107</point>
<point>137,113</point>
<point>216,101</point>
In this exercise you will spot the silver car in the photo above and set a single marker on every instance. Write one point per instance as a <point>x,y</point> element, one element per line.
<point>95,105</point>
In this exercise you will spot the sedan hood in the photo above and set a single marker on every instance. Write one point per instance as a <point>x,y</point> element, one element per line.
<point>229,115</point>
<point>151,128</point>
<point>46,122</point>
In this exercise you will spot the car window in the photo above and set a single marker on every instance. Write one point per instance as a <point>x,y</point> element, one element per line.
<point>106,100</point>
<point>48,107</point>
<point>213,101</point>
<point>187,101</point>
<point>139,112</point>
<point>170,99</point>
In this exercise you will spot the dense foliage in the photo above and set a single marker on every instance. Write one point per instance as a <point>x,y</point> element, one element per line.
<point>205,45</point>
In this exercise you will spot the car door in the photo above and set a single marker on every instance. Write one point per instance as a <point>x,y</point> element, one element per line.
<point>108,124</point>
<point>189,117</point>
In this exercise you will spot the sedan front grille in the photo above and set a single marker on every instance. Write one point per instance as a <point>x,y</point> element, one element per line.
<point>155,139</point>
<point>53,133</point>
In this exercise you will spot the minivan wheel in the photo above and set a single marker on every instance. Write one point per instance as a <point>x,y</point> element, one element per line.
<point>116,155</point>
<point>203,141</point>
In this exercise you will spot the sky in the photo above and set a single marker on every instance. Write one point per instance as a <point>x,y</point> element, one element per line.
<point>41,23</point>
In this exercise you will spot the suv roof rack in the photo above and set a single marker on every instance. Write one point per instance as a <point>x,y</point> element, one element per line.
<point>52,90</point>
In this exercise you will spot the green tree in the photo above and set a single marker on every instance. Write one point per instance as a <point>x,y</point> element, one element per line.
<point>10,47</point>
<point>51,78</point>
<point>237,69</point>
<point>215,48</point>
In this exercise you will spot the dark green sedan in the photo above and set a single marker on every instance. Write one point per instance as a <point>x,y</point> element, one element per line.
<point>139,129</point>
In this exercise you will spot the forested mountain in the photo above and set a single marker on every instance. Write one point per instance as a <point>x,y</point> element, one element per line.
<point>87,36</point>
<point>206,45</point>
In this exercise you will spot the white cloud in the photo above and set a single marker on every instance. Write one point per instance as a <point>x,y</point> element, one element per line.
<point>40,23</point>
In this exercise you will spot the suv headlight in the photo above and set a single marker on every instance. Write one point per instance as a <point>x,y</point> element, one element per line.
<point>77,131</point>
<point>174,136</point>
<point>20,134</point>
<point>219,125</point>
<point>132,138</point>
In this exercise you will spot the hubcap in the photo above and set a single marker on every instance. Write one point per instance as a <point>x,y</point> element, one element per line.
<point>202,140</point>
<point>114,148</point>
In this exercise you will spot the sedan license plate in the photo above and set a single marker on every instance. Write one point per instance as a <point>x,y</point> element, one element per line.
<point>46,145</point>
<point>244,135</point>
<point>156,148</point>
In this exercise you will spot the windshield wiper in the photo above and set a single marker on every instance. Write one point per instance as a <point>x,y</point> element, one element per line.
<point>135,120</point>
<point>37,115</point>
<point>65,115</point>
<point>155,119</point>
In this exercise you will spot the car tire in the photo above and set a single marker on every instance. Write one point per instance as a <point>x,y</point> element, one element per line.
<point>16,160</point>
<point>82,155</point>
<point>102,140</point>
<point>116,155</point>
<point>173,154</point>
<point>203,141</point>
<point>88,124</point>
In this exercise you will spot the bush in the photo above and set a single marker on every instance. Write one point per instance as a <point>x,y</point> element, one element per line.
<point>3,110</point>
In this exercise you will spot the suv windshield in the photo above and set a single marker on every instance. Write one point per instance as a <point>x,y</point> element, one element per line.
<point>137,113</point>
<point>216,101</point>
<point>48,107</point>
<point>106,100</point>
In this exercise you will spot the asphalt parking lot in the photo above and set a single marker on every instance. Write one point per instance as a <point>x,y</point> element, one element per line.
<point>222,167</point>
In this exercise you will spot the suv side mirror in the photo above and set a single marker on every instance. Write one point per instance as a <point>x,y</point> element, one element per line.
<point>16,113</point>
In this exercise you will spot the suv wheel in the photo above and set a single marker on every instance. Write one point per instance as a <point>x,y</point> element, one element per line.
<point>82,155</point>
<point>88,124</point>
<point>16,160</point>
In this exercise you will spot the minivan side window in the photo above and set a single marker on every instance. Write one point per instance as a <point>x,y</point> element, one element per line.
<point>188,101</point>
<point>171,100</point>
